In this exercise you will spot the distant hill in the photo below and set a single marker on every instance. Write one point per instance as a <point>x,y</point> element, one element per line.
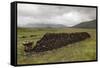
<point>88,24</point>
<point>41,25</point>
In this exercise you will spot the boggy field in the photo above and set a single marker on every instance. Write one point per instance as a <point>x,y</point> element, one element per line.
<point>80,51</point>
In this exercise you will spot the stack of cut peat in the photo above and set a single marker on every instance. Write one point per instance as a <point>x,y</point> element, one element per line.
<point>52,41</point>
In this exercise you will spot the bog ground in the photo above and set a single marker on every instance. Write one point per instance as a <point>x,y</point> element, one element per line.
<point>80,51</point>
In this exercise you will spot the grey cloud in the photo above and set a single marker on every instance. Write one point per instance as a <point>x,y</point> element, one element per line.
<point>67,15</point>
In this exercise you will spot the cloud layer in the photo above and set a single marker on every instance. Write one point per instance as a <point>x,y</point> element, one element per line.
<point>66,15</point>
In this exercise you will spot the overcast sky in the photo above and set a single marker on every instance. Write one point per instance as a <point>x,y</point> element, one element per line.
<point>66,15</point>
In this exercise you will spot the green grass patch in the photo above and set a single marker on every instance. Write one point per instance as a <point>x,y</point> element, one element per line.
<point>80,51</point>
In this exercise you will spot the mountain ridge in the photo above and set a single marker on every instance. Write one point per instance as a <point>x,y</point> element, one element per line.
<point>87,24</point>
<point>44,25</point>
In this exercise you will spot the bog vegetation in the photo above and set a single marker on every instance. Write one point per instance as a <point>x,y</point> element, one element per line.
<point>80,51</point>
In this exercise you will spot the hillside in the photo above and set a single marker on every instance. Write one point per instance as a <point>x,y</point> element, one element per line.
<point>88,24</point>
